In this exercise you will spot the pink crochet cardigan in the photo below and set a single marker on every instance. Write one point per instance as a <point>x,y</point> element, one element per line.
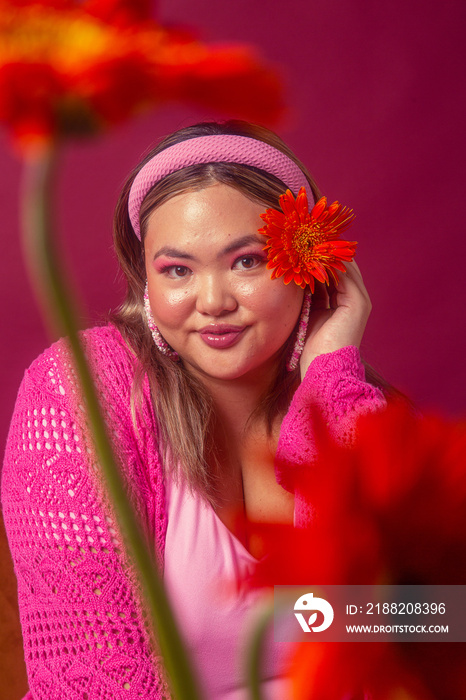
<point>82,626</point>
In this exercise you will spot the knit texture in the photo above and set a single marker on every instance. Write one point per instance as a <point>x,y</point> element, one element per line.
<point>83,627</point>
<point>335,386</point>
<point>218,148</point>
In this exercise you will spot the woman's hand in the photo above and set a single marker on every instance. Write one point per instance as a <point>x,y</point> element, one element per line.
<point>338,316</point>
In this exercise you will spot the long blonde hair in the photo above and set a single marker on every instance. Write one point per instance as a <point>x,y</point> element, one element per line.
<point>182,405</point>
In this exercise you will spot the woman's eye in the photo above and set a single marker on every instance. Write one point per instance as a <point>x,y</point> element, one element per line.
<point>176,271</point>
<point>247,262</point>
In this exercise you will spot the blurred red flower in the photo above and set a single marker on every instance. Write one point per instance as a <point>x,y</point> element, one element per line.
<point>389,510</point>
<point>304,245</point>
<point>70,67</point>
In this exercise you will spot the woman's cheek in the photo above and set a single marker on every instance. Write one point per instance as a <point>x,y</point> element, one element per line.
<point>170,306</point>
<point>274,297</point>
<point>258,288</point>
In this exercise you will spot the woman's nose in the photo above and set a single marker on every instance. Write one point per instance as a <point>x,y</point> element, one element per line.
<point>215,297</point>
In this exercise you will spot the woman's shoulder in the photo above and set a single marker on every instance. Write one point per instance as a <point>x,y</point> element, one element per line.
<point>110,359</point>
<point>51,381</point>
<point>50,415</point>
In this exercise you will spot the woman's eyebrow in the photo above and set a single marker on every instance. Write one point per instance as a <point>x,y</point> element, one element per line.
<point>173,253</point>
<point>241,242</point>
<point>235,245</point>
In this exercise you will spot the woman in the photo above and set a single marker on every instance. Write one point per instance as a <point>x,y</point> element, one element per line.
<point>207,375</point>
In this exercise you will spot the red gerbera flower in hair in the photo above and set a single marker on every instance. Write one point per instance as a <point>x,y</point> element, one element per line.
<point>304,245</point>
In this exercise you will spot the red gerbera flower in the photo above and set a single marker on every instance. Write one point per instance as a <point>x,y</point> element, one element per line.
<point>74,67</point>
<point>391,509</point>
<point>303,245</point>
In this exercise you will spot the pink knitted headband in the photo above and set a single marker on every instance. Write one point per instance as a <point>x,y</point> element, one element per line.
<point>220,148</point>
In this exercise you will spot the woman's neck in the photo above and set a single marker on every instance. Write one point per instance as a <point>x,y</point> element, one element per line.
<point>235,402</point>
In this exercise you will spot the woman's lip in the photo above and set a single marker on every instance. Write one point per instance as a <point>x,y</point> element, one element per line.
<point>221,328</point>
<point>221,336</point>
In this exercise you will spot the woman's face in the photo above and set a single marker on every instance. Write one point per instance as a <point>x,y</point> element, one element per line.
<point>210,292</point>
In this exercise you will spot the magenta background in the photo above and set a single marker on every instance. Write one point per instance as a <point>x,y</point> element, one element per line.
<point>377,113</point>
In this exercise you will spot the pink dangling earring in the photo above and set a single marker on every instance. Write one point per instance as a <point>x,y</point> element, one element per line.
<point>159,341</point>
<point>293,359</point>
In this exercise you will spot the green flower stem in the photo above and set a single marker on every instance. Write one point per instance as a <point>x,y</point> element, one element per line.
<point>255,653</point>
<point>58,307</point>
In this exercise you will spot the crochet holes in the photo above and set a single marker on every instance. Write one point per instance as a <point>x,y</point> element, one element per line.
<point>55,380</point>
<point>47,430</point>
<point>73,579</point>
<point>71,530</point>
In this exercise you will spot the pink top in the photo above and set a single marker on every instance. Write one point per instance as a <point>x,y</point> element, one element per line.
<point>203,560</point>
<point>82,625</point>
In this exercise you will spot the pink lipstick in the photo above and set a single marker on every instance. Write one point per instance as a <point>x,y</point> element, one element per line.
<point>221,336</point>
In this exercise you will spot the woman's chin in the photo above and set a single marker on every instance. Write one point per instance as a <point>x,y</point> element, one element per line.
<point>218,367</point>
